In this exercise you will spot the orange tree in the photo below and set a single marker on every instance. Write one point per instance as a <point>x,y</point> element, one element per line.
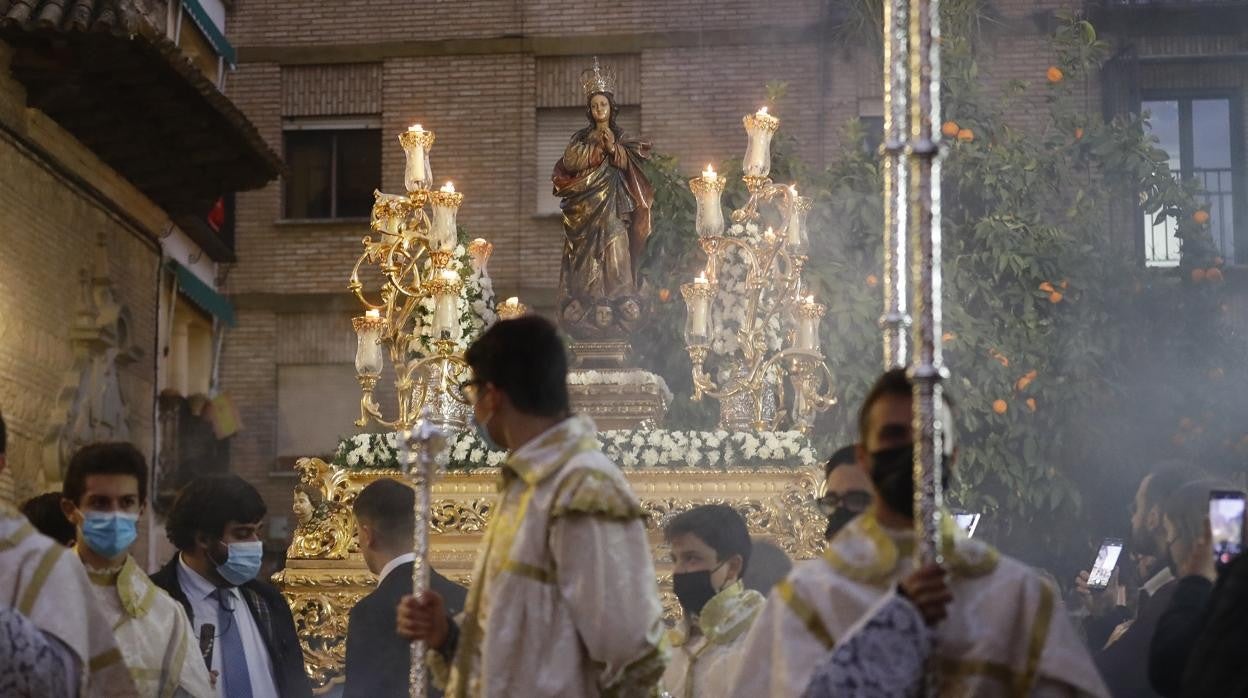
<point>1074,368</point>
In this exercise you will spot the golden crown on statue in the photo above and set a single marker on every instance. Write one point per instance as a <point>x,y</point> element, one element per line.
<point>598,79</point>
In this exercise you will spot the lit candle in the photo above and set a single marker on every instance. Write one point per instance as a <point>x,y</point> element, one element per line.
<point>445,203</point>
<point>707,189</point>
<point>511,309</point>
<point>416,142</point>
<point>368,357</point>
<point>796,231</point>
<point>769,236</point>
<point>698,299</point>
<point>446,310</point>
<point>760,127</point>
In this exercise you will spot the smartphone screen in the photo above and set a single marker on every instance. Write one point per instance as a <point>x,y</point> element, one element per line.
<point>967,522</point>
<point>1226,523</point>
<point>1106,562</point>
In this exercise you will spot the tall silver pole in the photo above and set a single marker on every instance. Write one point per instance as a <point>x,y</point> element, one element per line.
<point>895,322</point>
<point>927,369</point>
<point>420,465</point>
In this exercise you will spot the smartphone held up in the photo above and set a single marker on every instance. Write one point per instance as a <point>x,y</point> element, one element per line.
<point>1106,563</point>
<point>1226,523</point>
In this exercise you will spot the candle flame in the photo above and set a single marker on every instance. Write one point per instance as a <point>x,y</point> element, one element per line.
<point>701,279</point>
<point>416,127</point>
<point>373,314</point>
<point>448,188</point>
<point>709,172</point>
<point>810,300</point>
<point>449,275</point>
<point>762,111</point>
<point>769,233</point>
<point>512,302</point>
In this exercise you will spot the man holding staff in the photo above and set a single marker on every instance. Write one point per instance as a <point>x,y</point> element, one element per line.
<point>563,600</point>
<point>1004,631</point>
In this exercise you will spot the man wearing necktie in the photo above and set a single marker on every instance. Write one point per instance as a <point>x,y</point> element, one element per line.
<point>214,523</point>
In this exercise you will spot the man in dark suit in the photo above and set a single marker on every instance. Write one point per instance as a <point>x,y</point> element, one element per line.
<point>378,659</point>
<point>214,523</point>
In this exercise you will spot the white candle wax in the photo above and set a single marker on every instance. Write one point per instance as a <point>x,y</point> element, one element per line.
<point>368,357</point>
<point>442,234</point>
<point>709,219</point>
<point>699,309</point>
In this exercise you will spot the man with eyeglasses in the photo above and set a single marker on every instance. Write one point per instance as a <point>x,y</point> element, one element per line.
<point>846,490</point>
<point>563,600</point>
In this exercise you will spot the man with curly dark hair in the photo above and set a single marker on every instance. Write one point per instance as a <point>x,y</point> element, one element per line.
<point>215,524</point>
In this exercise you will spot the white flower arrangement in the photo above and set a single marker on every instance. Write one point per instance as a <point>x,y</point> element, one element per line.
<point>637,377</point>
<point>655,448</point>
<point>730,304</point>
<point>475,304</point>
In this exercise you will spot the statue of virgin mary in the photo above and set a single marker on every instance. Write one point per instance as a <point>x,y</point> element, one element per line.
<point>606,201</point>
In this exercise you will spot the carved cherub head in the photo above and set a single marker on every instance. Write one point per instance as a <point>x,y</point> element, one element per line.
<point>307,498</point>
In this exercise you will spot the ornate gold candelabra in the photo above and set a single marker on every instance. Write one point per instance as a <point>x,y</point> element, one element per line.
<point>411,256</point>
<point>752,396</point>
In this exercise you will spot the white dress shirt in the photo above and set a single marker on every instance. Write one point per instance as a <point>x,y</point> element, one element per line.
<point>200,592</point>
<point>400,560</point>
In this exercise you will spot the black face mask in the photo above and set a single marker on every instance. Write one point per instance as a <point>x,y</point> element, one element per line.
<point>694,590</point>
<point>837,521</point>
<point>892,473</point>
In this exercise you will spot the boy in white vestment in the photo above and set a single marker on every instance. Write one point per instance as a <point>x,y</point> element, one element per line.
<point>104,494</point>
<point>710,553</point>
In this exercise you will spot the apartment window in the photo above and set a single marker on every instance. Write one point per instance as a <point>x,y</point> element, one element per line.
<point>555,126</point>
<point>1200,132</point>
<point>334,168</point>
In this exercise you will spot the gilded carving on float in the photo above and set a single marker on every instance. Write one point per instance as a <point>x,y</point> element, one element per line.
<point>322,589</point>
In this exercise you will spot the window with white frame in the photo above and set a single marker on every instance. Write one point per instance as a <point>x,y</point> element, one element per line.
<point>1200,133</point>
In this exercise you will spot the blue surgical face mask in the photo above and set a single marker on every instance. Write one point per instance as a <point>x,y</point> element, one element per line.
<point>242,564</point>
<point>109,534</point>
<point>481,426</point>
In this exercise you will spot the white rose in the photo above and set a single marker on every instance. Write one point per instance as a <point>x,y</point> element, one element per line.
<point>353,459</point>
<point>493,458</point>
<point>650,456</point>
<point>477,455</point>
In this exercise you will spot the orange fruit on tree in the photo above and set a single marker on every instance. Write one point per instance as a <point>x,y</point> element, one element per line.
<point>1000,406</point>
<point>999,357</point>
<point>1055,297</point>
<point>948,337</point>
<point>1047,287</point>
<point>950,129</point>
<point>1213,274</point>
<point>1201,216</point>
<point>872,280</point>
<point>1054,74</point>
<point>966,135</point>
<point>665,294</point>
<point>1198,275</point>
<point>1078,133</point>
<point>1031,404</point>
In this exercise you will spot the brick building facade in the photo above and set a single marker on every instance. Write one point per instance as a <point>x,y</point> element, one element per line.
<point>491,78</point>
<point>115,143</point>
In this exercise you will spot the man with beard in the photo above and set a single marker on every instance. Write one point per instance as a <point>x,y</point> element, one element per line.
<point>1006,631</point>
<point>1168,519</point>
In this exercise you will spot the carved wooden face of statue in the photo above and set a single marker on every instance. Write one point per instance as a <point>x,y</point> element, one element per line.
<point>302,507</point>
<point>600,109</point>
